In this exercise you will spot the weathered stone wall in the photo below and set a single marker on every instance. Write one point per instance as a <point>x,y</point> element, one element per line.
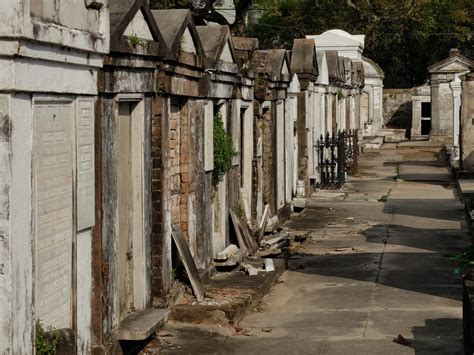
<point>257,168</point>
<point>202,184</point>
<point>302,139</point>
<point>441,111</point>
<point>159,238</point>
<point>5,241</point>
<point>267,157</point>
<point>181,187</point>
<point>397,108</point>
<point>72,14</point>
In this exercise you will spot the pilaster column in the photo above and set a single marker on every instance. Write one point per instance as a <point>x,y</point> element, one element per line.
<point>456,89</point>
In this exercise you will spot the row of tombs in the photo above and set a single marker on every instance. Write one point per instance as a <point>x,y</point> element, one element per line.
<point>108,118</point>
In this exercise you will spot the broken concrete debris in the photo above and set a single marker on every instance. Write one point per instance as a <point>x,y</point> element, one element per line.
<point>272,224</point>
<point>227,252</point>
<point>251,271</point>
<point>269,265</point>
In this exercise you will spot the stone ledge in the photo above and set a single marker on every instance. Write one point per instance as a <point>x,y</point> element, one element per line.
<point>140,325</point>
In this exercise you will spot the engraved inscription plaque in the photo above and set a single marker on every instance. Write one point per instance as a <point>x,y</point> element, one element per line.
<point>85,164</point>
<point>53,206</point>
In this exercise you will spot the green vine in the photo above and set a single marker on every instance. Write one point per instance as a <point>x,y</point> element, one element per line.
<point>45,342</point>
<point>223,150</point>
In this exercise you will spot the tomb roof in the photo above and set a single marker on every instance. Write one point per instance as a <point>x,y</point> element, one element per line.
<point>348,45</point>
<point>455,63</point>
<point>303,57</point>
<point>273,63</point>
<point>217,44</point>
<point>372,69</point>
<point>176,26</point>
<point>245,43</point>
<point>334,70</point>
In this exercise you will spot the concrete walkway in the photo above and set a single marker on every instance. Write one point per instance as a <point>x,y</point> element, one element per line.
<point>371,271</point>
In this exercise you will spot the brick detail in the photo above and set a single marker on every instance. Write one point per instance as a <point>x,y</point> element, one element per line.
<point>157,237</point>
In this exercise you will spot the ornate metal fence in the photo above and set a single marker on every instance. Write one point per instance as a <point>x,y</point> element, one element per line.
<point>337,156</point>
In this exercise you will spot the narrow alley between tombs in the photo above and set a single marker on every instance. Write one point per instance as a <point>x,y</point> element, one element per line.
<point>376,265</point>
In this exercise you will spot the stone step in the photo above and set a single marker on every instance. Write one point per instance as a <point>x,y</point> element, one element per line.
<point>140,325</point>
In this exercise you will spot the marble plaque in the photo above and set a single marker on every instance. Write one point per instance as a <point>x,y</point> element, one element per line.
<point>85,164</point>
<point>53,209</point>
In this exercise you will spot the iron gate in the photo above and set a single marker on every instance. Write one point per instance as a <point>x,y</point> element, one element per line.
<point>337,156</point>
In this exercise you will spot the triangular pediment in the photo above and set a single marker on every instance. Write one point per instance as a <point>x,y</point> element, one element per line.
<point>139,27</point>
<point>323,77</point>
<point>226,53</point>
<point>294,85</point>
<point>284,68</point>
<point>455,64</point>
<point>133,19</point>
<point>187,42</point>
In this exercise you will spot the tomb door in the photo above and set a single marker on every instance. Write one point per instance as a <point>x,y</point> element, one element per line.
<point>130,183</point>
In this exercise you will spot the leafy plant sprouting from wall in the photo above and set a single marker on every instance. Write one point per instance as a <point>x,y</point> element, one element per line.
<point>45,344</point>
<point>340,95</point>
<point>223,150</point>
<point>135,40</point>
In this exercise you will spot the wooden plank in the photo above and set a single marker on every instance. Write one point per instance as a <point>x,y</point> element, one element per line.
<point>188,262</point>
<point>137,173</point>
<point>275,240</point>
<point>249,240</point>
<point>263,223</point>
<point>240,240</point>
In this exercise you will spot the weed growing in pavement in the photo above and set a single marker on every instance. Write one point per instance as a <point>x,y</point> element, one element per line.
<point>385,197</point>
